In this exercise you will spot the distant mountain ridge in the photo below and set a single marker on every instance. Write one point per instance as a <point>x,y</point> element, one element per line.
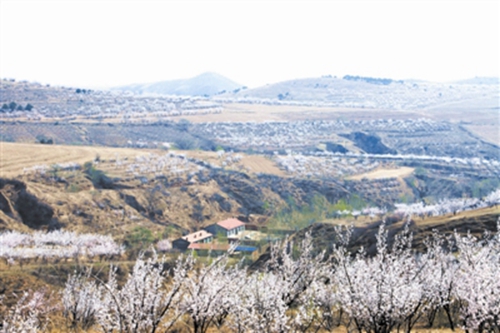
<point>206,84</point>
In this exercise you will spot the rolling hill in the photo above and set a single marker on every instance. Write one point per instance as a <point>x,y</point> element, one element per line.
<point>375,93</point>
<point>206,84</point>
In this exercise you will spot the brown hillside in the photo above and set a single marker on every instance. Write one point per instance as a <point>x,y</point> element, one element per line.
<point>476,222</point>
<point>364,234</point>
<point>115,190</point>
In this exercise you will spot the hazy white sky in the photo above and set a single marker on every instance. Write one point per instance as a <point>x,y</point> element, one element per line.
<point>99,43</point>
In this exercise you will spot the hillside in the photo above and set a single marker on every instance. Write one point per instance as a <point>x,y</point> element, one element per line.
<point>114,190</point>
<point>375,136</point>
<point>139,197</point>
<point>411,101</point>
<point>364,233</point>
<point>362,155</point>
<point>373,93</point>
<point>206,84</point>
<point>37,103</point>
<point>121,189</point>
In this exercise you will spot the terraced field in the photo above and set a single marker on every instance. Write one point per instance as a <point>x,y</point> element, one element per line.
<point>15,157</point>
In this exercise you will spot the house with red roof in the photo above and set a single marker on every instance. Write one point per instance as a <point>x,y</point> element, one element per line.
<point>198,237</point>
<point>230,228</point>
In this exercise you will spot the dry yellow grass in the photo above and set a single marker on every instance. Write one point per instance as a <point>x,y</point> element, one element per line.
<point>255,163</point>
<point>248,163</point>
<point>449,218</point>
<point>14,157</point>
<point>488,132</point>
<point>81,207</point>
<point>384,173</point>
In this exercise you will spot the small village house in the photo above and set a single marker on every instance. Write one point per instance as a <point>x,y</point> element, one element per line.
<point>229,228</point>
<point>198,237</point>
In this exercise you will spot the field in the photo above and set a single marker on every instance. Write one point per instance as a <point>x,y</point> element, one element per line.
<point>14,157</point>
<point>248,163</point>
<point>401,172</point>
<point>489,132</point>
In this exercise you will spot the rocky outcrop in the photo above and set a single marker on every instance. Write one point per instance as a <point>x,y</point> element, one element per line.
<point>335,148</point>
<point>371,144</point>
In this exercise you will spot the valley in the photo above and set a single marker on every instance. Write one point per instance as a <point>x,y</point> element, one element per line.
<point>166,161</point>
<point>246,166</point>
<point>134,173</point>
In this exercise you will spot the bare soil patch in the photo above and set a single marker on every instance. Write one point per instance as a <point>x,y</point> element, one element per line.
<point>487,132</point>
<point>384,173</point>
<point>261,164</point>
<point>248,163</point>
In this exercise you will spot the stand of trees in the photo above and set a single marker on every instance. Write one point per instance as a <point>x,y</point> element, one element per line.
<point>13,106</point>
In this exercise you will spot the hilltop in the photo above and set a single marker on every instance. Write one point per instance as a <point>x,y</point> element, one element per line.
<point>206,84</point>
<point>374,93</point>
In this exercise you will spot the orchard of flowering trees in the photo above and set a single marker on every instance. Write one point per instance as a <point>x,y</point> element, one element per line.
<point>16,246</point>
<point>299,289</point>
<point>448,206</point>
<point>442,207</point>
<point>418,139</point>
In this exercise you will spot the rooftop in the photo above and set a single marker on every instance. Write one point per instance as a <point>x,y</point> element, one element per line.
<point>230,224</point>
<point>197,236</point>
